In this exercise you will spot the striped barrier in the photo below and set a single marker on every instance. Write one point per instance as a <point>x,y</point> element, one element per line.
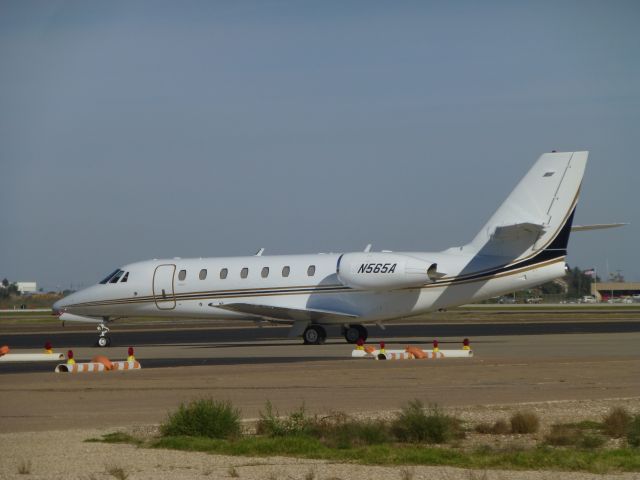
<point>32,357</point>
<point>95,367</point>
<point>126,365</point>
<point>80,368</point>
<point>388,354</point>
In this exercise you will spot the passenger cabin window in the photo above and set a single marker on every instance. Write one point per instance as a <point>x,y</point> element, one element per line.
<point>125,278</point>
<point>244,273</point>
<point>182,275</point>
<point>265,272</point>
<point>116,277</point>
<point>203,274</point>
<point>285,271</point>
<point>223,273</point>
<point>108,277</point>
<point>311,271</point>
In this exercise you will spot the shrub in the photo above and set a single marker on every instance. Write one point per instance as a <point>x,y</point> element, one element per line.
<point>204,418</point>
<point>616,423</point>
<point>524,422</point>
<point>336,431</point>
<point>416,424</point>
<point>572,435</point>
<point>270,423</point>
<point>500,427</point>
<point>339,431</point>
<point>633,432</point>
<point>562,435</point>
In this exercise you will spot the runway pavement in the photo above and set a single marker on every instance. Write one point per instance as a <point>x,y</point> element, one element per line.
<point>513,363</point>
<point>256,338</point>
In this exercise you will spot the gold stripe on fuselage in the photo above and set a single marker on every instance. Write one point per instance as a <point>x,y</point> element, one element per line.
<point>308,290</point>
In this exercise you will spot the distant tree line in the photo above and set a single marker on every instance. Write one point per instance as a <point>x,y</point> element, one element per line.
<point>575,284</point>
<point>8,289</point>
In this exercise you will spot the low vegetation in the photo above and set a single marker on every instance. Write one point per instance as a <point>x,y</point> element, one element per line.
<point>572,435</point>
<point>417,424</point>
<point>633,433</point>
<point>117,472</point>
<point>524,422</point>
<point>616,423</point>
<point>204,418</point>
<point>417,435</point>
<point>24,467</point>
<point>117,437</point>
<point>500,427</point>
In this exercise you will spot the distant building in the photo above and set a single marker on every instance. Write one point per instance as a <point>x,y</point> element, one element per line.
<point>605,290</point>
<point>27,287</point>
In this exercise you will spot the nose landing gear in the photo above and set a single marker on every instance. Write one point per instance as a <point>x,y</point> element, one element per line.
<point>103,340</point>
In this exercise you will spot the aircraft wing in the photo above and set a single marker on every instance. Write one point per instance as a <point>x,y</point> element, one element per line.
<point>287,313</point>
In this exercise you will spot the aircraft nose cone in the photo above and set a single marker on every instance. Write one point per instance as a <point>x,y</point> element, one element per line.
<point>57,307</point>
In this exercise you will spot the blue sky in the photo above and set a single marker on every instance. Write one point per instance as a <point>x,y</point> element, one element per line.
<point>133,130</point>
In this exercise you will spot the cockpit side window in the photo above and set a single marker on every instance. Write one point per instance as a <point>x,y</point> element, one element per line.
<point>116,277</point>
<point>125,278</point>
<point>108,277</point>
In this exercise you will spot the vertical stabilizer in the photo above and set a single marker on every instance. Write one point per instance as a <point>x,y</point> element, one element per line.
<point>537,211</point>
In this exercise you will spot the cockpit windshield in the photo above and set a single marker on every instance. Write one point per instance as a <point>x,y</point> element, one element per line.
<point>108,277</point>
<point>115,276</point>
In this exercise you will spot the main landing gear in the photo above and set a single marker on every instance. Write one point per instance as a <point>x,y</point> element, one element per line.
<point>314,335</point>
<point>352,333</point>
<point>104,340</point>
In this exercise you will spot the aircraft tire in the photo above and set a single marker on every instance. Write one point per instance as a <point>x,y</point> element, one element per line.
<point>314,335</point>
<point>104,341</point>
<point>355,332</point>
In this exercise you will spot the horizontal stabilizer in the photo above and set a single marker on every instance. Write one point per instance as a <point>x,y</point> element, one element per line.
<point>286,313</point>
<point>597,226</point>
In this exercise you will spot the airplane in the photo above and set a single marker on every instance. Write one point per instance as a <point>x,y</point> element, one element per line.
<point>523,244</point>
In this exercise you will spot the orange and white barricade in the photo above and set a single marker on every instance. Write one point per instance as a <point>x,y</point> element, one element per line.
<point>99,363</point>
<point>90,367</point>
<point>126,365</point>
<point>411,353</point>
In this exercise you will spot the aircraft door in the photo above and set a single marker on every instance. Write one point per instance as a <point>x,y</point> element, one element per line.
<point>163,292</point>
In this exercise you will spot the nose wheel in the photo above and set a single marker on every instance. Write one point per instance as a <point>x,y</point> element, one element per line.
<point>314,335</point>
<point>104,340</point>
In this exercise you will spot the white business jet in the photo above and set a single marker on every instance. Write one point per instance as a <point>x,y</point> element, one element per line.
<point>523,244</point>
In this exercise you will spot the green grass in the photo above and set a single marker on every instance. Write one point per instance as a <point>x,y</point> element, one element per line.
<point>571,435</point>
<point>546,458</point>
<point>633,432</point>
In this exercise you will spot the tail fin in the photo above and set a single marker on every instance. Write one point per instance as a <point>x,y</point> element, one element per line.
<point>537,215</point>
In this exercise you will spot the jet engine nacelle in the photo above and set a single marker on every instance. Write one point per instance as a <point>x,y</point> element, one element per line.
<point>384,271</point>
